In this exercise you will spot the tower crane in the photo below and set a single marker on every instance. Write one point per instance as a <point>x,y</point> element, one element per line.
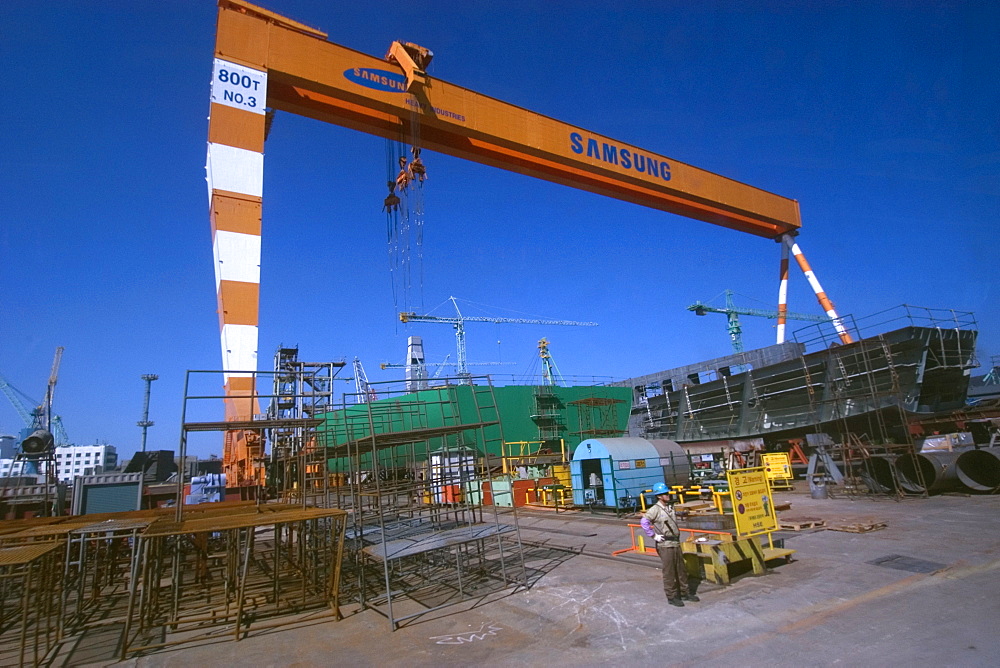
<point>441,365</point>
<point>733,313</point>
<point>50,390</point>
<point>31,412</point>
<point>550,372</point>
<point>459,320</point>
<point>365,392</point>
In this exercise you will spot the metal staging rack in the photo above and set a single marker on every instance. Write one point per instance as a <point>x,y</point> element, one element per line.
<point>217,577</point>
<point>302,390</point>
<point>415,470</point>
<point>150,582</point>
<point>29,584</point>
<point>869,459</point>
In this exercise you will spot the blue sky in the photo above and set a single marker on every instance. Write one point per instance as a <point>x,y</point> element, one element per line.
<point>880,118</point>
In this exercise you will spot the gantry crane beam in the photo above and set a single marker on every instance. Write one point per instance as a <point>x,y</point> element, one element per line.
<point>309,76</point>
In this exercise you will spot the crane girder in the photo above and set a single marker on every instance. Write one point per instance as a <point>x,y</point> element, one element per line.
<point>414,317</point>
<point>310,76</point>
<point>701,309</point>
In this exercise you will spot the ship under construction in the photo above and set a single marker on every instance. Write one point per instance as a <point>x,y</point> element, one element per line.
<point>906,364</point>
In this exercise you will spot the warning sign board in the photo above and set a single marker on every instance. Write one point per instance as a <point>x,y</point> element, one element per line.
<point>753,506</point>
<point>777,465</point>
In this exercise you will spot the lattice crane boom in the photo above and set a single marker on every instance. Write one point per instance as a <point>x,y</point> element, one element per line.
<point>458,322</point>
<point>365,392</point>
<point>51,389</point>
<point>733,313</point>
<point>550,372</point>
<point>413,317</point>
<point>31,412</point>
<point>14,395</point>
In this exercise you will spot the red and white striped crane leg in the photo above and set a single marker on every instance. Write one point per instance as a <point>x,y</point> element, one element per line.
<point>824,301</point>
<point>235,173</point>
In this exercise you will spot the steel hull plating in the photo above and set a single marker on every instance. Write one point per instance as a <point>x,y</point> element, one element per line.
<point>905,371</point>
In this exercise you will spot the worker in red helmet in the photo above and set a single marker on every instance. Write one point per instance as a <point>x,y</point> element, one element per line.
<point>660,524</point>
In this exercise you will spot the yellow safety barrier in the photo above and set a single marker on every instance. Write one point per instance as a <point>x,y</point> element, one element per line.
<point>677,490</point>
<point>553,496</point>
<point>709,554</point>
<point>719,498</point>
<point>638,542</point>
<point>558,493</point>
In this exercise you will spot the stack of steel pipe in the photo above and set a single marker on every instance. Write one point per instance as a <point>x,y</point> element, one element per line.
<point>879,477</point>
<point>979,470</point>
<point>927,472</point>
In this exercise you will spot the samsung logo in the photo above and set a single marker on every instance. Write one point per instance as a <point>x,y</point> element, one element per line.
<point>622,157</point>
<point>392,82</point>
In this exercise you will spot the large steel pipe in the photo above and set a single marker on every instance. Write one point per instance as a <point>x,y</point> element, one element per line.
<point>980,469</point>
<point>927,472</point>
<point>878,475</point>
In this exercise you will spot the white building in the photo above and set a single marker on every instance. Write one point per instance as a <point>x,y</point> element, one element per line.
<point>71,461</point>
<point>9,468</point>
<point>76,460</point>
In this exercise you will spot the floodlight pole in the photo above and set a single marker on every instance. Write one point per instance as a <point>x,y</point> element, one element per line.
<point>145,422</point>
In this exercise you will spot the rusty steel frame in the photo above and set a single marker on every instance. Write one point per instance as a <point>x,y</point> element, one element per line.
<point>416,529</point>
<point>29,582</point>
<point>185,589</point>
<point>163,577</point>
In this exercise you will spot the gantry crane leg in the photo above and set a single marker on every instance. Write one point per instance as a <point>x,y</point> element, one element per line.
<point>789,242</point>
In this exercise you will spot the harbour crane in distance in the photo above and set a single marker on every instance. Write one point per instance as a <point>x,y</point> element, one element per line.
<point>50,390</point>
<point>442,365</point>
<point>550,372</point>
<point>365,392</point>
<point>458,322</point>
<point>15,396</point>
<point>733,313</point>
<point>31,411</point>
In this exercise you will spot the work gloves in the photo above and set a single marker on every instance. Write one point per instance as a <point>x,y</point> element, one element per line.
<point>659,538</point>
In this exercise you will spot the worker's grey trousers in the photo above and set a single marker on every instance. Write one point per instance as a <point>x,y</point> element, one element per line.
<point>675,577</point>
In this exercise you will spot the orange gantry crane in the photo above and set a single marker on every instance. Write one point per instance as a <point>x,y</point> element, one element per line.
<point>264,60</point>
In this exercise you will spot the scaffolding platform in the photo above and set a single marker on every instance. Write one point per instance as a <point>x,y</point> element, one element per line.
<point>407,547</point>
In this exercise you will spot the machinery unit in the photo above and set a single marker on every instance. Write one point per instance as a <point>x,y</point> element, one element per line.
<point>614,472</point>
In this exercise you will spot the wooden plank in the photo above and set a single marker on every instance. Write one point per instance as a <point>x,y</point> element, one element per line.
<point>800,524</point>
<point>771,553</point>
<point>859,527</point>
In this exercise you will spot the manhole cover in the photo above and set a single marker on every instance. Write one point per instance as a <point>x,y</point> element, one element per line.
<point>901,563</point>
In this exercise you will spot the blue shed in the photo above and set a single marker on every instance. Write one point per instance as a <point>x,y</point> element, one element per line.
<point>613,471</point>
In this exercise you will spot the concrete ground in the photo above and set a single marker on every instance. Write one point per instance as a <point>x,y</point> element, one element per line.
<point>923,591</point>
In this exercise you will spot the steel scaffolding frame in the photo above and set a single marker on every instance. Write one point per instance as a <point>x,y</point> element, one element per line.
<point>29,584</point>
<point>227,569</point>
<point>297,461</point>
<point>415,472</point>
<point>213,577</point>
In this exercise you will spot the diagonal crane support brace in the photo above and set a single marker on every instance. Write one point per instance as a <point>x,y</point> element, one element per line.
<point>413,59</point>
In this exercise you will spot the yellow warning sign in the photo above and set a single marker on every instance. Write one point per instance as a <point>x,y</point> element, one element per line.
<point>753,506</point>
<point>777,465</point>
